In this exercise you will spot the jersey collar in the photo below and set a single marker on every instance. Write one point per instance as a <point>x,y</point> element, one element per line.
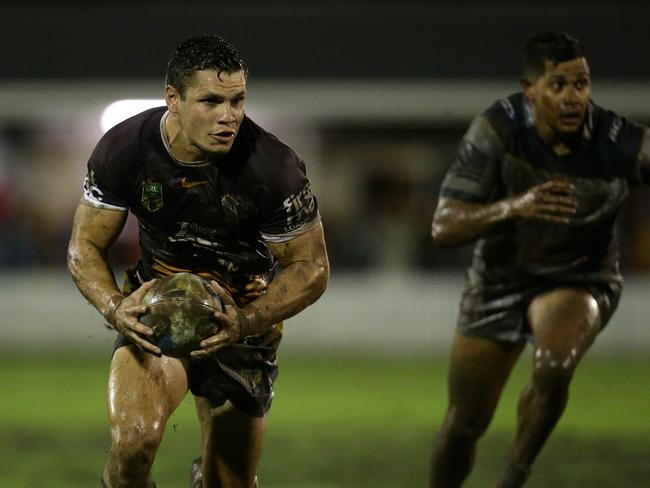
<point>165,141</point>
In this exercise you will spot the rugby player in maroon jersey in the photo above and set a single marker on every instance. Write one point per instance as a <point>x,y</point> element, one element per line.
<point>216,195</point>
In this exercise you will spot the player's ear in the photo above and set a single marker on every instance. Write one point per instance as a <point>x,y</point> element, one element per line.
<point>527,86</point>
<point>172,98</point>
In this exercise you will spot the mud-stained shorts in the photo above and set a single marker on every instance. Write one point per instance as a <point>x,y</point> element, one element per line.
<point>242,373</point>
<point>501,313</point>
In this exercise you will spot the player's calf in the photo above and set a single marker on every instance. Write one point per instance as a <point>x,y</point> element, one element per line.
<point>514,475</point>
<point>462,429</point>
<point>130,458</point>
<point>105,485</point>
<point>455,447</point>
<point>196,475</point>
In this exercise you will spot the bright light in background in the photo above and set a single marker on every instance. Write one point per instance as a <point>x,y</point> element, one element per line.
<point>121,110</point>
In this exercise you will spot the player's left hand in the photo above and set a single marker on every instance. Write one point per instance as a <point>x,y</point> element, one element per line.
<point>234,325</point>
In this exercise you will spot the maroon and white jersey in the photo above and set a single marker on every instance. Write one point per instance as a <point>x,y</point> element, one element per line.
<point>212,217</point>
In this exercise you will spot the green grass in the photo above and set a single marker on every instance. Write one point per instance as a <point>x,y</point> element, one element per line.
<point>336,422</point>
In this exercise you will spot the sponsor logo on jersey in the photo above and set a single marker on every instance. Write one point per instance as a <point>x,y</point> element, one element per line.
<point>203,237</point>
<point>91,190</point>
<point>152,196</point>
<point>614,129</point>
<point>95,196</point>
<point>299,207</point>
<point>232,207</point>
<point>191,184</point>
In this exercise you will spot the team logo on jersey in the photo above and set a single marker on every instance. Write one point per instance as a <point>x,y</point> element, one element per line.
<point>232,207</point>
<point>152,196</point>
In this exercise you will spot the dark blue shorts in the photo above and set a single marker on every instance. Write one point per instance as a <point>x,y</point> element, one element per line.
<point>501,312</point>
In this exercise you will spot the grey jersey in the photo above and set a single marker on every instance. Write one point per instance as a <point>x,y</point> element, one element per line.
<point>502,155</point>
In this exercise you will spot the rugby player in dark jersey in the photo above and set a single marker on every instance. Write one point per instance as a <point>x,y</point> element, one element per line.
<point>216,195</point>
<point>537,182</point>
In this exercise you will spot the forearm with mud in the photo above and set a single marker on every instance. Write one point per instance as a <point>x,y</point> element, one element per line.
<point>296,287</point>
<point>457,222</point>
<point>90,271</point>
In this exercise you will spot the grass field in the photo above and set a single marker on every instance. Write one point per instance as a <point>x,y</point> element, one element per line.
<point>336,422</point>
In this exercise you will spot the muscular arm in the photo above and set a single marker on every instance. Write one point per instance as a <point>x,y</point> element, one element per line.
<point>94,231</point>
<point>301,281</point>
<point>458,222</point>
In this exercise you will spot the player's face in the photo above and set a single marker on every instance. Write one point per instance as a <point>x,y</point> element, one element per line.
<point>560,97</point>
<point>209,114</point>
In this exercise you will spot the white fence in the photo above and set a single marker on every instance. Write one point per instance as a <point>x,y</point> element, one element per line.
<point>399,314</point>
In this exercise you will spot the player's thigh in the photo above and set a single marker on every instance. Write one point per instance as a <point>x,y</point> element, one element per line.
<point>143,390</point>
<point>479,369</point>
<point>232,439</point>
<point>565,322</point>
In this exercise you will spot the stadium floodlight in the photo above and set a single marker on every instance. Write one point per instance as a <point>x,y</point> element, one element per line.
<point>121,110</point>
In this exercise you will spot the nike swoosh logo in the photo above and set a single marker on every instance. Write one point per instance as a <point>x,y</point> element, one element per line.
<point>192,184</point>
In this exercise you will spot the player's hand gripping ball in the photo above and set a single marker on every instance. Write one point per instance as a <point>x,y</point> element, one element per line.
<point>180,312</point>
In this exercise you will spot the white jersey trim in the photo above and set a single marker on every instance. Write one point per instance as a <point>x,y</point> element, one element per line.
<point>278,238</point>
<point>93,196</point>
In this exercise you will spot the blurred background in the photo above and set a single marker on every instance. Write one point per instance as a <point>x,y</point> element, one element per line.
<point>375,96</point>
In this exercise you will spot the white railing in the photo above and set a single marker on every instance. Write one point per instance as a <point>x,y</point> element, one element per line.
<point>390,313</point>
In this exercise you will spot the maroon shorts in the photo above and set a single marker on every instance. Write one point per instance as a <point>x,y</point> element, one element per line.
<point>242,373</point>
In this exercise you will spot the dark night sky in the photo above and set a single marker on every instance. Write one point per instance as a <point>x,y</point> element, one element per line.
<point>317,39</point>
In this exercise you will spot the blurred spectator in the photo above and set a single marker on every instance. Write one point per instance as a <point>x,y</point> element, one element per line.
<point>16,245</point>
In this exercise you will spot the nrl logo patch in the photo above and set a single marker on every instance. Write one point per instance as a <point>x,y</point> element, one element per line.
<point>152,197</point>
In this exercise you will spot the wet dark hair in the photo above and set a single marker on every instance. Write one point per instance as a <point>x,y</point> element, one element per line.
<point>555,47</point>
<point>198,53</point>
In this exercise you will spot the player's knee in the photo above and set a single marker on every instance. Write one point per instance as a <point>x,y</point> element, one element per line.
<point>135,447</point>
<point>553,371</point>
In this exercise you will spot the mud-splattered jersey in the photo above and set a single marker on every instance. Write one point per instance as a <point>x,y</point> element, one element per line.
<point>502,155</point>
<point>213,217</point>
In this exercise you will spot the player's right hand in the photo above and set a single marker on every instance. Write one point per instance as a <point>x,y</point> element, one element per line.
<point>125,319</point>
<point>551,201</point>
<point>234,325</point>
